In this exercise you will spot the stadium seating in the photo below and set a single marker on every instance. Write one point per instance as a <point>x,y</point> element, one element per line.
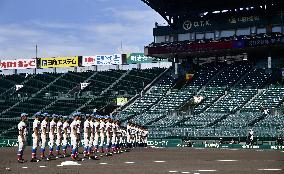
<point>146,101</point>
<point>211,95</point>
<point>234,97</point>
<point>233,101</point>
<point>269,98</point>
<point>10,81</point>
<point>256,78</point>
<point>270,126</point>
<point>230,75</point>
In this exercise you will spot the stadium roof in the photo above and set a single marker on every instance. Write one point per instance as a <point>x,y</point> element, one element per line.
<point>172,8</point>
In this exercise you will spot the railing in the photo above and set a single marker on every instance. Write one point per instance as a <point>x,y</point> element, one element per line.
<point>159,132</point>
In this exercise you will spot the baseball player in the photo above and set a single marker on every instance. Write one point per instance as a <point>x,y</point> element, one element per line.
<point>102,134</point>
<point>114,136</point>
<point>144,137</point>
<point>43,136</point>
<point>66,133</point>
<point>35,136</point>
<point>139,136</point>
<point>108,127</point>
<point>128,135</point>
<point>123,141</point>
<point>22,127</point>
<point>74,137</point>
<point>87,130</point>
<point>250,137</point>
<point>96,134</point>
<point>92,133</point>
<point>59,128</point>
<point>78,132</point>
<point>52,127</point>
<point>118,137</point>
<point>133,135</point>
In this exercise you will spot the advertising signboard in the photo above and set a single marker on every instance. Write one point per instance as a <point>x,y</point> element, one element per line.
<point>115,59</point>
<point>59,62</point>
<point>18,64</point>
<point>141,58</point>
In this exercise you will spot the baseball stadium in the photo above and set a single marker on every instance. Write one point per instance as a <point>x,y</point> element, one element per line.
<point>205,96</point>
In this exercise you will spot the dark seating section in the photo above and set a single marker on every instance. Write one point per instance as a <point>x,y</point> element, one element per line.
<point>54,92</point>
<point>234,99</point>
<point>230,75</point>
<point>102,80</point>
<point>36,83</point>
<point>146,101</point>
<point>10,81</point>
<point>66,106</point>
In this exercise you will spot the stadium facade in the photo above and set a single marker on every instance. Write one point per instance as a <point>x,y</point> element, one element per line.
<point>224,78</point>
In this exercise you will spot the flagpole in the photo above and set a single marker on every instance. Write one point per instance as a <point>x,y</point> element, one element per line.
<point>36,51</point>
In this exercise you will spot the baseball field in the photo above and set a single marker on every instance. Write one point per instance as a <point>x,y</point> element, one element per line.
<point>154,161</point>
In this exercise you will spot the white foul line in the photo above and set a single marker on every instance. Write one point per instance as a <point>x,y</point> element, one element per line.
<point>159,161</point>
<point>103,163</point>
<point>206,170</point>
<point>173,171</point>
<point>24,167</point>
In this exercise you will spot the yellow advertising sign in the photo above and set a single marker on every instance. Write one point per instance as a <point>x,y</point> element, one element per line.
<point>121,101</point>
<point>59,62</point>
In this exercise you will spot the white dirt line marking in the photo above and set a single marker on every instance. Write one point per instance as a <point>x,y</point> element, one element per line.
<point>185,172</point>
<point>159,161</point>
<point>173,171</point>
<point>103,163</point>
<point>24,167</point>
<point>129,162</point>
<point>270,169</point>
<point>42,166</point>
<point>206,170</point>
<point>227,160</point>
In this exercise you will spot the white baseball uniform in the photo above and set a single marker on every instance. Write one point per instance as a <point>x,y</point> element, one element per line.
<point>102,133</point>
<point>59,126</point>
<point>97,133</point>
<point>52,126</point>
<point>22,127</point>
<point>35,135</point>
<point>43,137</point>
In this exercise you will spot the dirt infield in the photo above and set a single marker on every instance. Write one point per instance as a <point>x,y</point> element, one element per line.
<point>155,161</point>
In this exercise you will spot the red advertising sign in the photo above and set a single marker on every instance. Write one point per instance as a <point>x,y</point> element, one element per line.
<point>88,60</point>
<point>18,64</point>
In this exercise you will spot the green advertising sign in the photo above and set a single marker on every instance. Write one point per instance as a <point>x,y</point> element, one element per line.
<point>141,58</point>
<point>8,143</point>
<point>164,142</point>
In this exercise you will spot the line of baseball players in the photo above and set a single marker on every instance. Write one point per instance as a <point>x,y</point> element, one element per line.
<point>101,135</point>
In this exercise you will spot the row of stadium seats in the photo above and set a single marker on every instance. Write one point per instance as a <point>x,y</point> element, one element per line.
<point>50,86</point>
<point>52,93</point>
<point>146,101</point>
<point>269,98</point>
<point>234,100</point>
<point>230,38</point>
